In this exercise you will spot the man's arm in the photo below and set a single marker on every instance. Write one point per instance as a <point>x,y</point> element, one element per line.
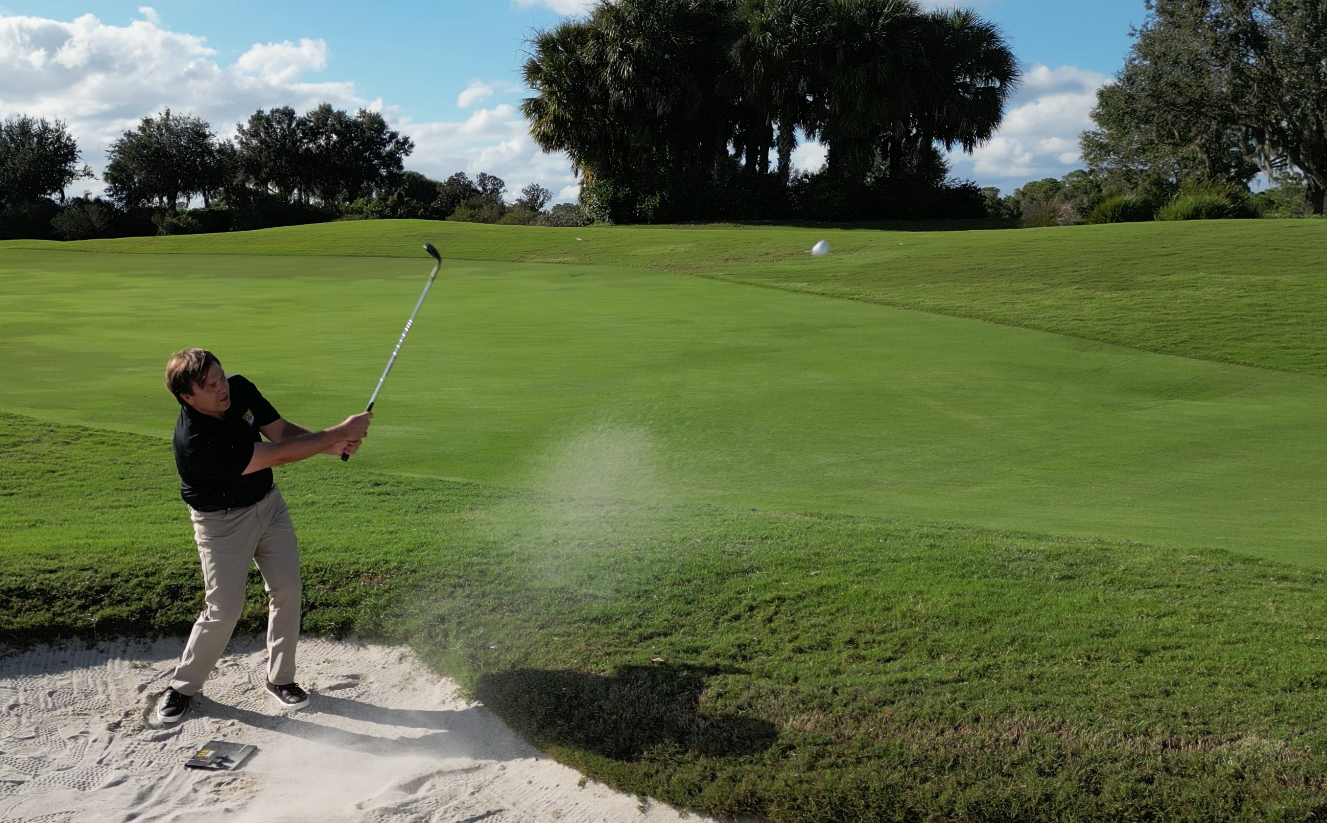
<point>282,429</point>
<point>291,443</point>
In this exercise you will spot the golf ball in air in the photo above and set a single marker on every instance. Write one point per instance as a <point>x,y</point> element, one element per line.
<point>820,249</point>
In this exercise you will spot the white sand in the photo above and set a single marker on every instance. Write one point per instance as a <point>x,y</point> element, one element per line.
<point>383,739</point>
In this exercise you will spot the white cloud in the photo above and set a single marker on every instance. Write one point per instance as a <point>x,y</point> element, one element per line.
<point>561,6</point>
<point>283,63</point>
<point>496,141</point>
<point>809,155</point>
<point>476,92</point>
<point>102,79</point>
<point>1039,135</point>
<point>150,14</point>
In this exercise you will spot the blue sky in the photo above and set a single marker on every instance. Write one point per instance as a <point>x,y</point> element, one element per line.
<point>447,73</point>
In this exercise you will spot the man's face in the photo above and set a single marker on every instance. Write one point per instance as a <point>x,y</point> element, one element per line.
<point>212,396</point>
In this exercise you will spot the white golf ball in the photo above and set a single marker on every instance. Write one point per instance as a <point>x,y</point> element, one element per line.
<point>820,249</point>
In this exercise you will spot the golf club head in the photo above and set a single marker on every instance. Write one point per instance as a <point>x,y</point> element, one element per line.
<point>428,247</point>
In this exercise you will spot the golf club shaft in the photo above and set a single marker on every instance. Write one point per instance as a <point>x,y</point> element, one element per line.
<point>391,361</point>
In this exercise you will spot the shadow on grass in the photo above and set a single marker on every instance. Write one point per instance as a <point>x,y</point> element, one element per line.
<point>972,224</point>
<point>638,710</point>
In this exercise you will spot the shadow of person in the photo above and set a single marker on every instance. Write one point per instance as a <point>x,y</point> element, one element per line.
<point>638,709</point>
<point>471,733</point>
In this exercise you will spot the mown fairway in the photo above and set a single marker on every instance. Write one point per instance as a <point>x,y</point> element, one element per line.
<point>747,549</point>
<point>696,390</point>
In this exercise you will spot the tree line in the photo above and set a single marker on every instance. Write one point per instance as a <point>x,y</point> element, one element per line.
<point>1212,93</point>
<point>281,168</point>
<point>673,109</point>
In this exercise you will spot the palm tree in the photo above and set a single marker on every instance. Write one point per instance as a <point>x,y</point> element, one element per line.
<point>640,92</point>
<point>651,95</point>
<point>775,58</point>
<point>970,74</point>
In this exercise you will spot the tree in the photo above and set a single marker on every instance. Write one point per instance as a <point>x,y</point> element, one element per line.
<point>38,159</point>
<point>1275,53</point>
<point>671,108</point>
<point>775,58</point>
<point>534,197</point>
<point>1169,120</point>
<point>1214,90</point>
<point>967,74</point>
<point>454,191</point>
<point>325,155</point>
<point>272,153</point>
<point>165,161</point>
<point>351,157</point>
<point>418,187</point>
<point>641,95</point>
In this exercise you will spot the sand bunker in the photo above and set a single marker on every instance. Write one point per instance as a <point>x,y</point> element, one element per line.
<point>383,739</point>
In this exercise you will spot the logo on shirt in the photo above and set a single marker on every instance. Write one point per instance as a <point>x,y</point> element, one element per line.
<point>247,417</point>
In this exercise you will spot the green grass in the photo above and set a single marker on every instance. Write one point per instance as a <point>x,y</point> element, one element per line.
<point>695,391</point>
<point>701,540</point>
<point>800,667</point>
<point>1237,291</point>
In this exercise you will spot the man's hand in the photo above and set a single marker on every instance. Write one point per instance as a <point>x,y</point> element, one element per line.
<point>346,447</point>
<point>355,427</point>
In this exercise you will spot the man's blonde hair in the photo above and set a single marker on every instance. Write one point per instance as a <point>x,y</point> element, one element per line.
<point>185,368</point>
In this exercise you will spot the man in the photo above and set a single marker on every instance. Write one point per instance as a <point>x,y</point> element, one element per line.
<point>239,516</point>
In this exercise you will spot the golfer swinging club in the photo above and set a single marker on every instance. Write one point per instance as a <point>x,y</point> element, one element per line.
<point>239,516</point>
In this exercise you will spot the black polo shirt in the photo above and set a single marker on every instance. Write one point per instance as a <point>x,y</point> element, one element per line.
<point>212,453</point>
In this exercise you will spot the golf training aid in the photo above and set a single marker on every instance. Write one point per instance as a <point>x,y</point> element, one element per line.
<point>428,247</point>
<point>218,755</point>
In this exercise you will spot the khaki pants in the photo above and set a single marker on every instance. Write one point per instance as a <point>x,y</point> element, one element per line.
<point>228,542</point>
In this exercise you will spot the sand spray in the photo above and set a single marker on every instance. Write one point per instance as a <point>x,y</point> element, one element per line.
<point>598,496</point>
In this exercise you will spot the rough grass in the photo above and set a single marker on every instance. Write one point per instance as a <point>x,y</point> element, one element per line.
<point>802,667</point>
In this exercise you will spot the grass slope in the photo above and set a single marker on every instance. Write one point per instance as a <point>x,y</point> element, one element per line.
<point>800,667</point>
<point>772,655</point>
<point>690,390</point>
<point>1241,291</point>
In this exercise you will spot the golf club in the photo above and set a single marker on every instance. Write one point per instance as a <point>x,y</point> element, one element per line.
<point>428,247</point>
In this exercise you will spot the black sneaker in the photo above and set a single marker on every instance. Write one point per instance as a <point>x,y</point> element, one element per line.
<point>172,706</point>
<point>290,696</point>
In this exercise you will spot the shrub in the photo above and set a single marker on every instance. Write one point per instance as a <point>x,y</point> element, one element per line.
<point>86,219</point>
<point>1196,207</point>
<point>481,209</point>
<point>1209,201</point>
<point>395,205</point>
<point>212,219</point>
<point>1124,208</point>
<point>266,211</point>
<point>564,215</point>
<point>1053,212</point>
<point>169,224</point>
<point>1286,199</point>
<point>29,221</point>
<point>518,215</point>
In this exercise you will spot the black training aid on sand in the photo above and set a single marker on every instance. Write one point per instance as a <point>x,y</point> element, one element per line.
<point>218,755</point>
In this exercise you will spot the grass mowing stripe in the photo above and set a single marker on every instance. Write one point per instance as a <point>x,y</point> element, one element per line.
<point>710,392</point>
<point>1241,291</point>
<point>814,667</point>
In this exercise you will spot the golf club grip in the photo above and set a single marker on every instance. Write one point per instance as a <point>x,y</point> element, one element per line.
<point>345,458</point>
